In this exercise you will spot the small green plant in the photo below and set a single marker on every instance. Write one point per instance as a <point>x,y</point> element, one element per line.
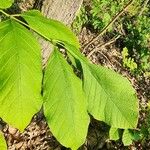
<point>137,40</point>
<point>67,100</point>
<point>80,21</point>
<point>137,26</point>
<point>144,132</point>
<point>102,12</point>
<point>128,61</point>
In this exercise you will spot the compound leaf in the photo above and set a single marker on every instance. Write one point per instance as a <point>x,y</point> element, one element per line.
<point>65,106</point>
<point>20,74</point>
<point>110,97</point>
<point>3,145</point>
<point>5,3</point>
<point>49,28</point>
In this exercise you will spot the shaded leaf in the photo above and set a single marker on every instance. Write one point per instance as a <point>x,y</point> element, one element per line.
<point>20,74</point>
<point>136,135</point>
<point>65,106</point>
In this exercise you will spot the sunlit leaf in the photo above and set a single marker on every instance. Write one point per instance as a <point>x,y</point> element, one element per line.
<point>5,3</point>
<point>114,133</point>
<point>49,28</point>
<point>65,106</point>
<point>3,145</point>
<point>111,98</point>
<point>127,137</point>
<point>20,74</point>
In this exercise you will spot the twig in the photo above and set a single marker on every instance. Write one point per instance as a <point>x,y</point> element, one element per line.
<point>103,45</point>
<point>144,5</point>
<point>107,26</point>
<point>7,15</point>
<point>105,57</point>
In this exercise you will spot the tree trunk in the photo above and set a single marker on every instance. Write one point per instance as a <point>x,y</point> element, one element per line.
<point>61,10</point>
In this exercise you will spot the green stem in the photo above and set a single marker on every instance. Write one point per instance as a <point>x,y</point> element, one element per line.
<point>4,13</point>
<point>16,15</point>
<point>23,23</point>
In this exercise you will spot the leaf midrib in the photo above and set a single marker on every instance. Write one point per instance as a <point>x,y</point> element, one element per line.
<point>66,81</point>
<point>109,97</point>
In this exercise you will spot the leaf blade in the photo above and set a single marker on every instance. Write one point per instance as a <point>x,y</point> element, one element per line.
<point>103,88</point>
<point>6,3</point>
<point>66,106</point>
<point>49,28</point>
<point>127,138</point>
<point>3,145</point>
<point>114,133</point>
<point>20,82</point>
<point>110,96</point>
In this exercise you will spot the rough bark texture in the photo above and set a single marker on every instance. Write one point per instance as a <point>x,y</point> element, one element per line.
<point>61,10</point>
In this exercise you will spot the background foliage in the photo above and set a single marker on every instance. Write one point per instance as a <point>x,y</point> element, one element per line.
<point>133,26</point>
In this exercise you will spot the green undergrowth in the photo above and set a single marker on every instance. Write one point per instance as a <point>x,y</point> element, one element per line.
<point>133,26</point>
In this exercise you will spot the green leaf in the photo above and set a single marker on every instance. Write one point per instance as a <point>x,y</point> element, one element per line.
<point>127,138</point>
<point>49,28</point>
<point>20,74</point>
<point>107,17</point>
<point>114,133</point>
<point>75,52</point>
<point>136,135</point>
<point>65,106</point>
<point>110,96</point>
<point>3,145</point>
<point>5,3</point>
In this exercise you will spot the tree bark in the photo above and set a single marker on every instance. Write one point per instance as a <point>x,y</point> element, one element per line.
<point>61,10</point>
